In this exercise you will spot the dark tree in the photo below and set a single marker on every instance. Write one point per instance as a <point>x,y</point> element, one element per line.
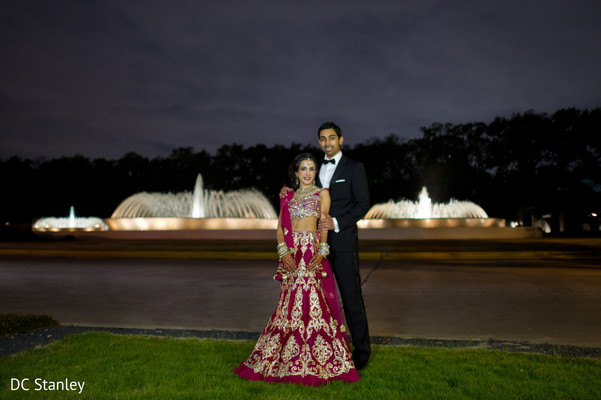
<point>526,167</point>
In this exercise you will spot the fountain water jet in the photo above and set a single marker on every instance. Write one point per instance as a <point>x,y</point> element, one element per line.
<point>198,199</point>
<point>72,217</point>
<point>424,206</point>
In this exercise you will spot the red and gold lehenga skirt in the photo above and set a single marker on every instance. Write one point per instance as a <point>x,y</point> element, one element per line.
<point>303,342</point>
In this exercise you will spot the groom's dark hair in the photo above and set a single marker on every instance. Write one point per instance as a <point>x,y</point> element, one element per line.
<point>330,125</point>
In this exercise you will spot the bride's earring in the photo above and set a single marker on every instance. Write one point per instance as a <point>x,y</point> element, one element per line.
<point>297,181</point>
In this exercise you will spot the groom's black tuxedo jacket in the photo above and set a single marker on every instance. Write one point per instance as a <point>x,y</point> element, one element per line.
<point>350,202</point>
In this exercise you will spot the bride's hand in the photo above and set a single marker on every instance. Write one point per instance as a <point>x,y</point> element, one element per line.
<point>284,191</point>
<point>288,263</point>
<point>315,262</point>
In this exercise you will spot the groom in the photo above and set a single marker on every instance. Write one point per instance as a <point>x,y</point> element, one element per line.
<point>347,182</point>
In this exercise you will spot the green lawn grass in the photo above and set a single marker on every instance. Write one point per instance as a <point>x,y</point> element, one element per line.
<point>144,367</point>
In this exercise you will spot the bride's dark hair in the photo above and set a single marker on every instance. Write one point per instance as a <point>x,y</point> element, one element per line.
<point>293,168</point>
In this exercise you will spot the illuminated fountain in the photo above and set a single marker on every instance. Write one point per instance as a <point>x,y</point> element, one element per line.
<point>197,210</point>
<point>246,214</point>
<point>424,209</point>
<point>423,219</point>
<point>69,224</point>
<point>202,203</point>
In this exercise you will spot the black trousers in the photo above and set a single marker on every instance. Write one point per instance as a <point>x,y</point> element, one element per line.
<point>345,266</point>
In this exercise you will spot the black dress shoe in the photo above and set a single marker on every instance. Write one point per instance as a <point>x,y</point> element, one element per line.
<point>360,358</point>
<point>359,365</point>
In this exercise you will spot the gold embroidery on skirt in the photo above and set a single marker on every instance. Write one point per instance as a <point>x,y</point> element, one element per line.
<point>322,351</point>
<point>291,349</point>
<point>315,349</point>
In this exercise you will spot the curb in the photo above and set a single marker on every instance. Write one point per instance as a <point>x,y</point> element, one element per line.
<point>254,255</point>
<point>13,344</point>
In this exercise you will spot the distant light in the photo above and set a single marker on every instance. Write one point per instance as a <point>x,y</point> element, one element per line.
<point>593,214</point>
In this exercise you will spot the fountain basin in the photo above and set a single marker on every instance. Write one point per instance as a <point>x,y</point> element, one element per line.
<point>431,223</point>
<point>265,229</point>
<point>441,228</point>
<point>53,227</point>
<point>166,224</point>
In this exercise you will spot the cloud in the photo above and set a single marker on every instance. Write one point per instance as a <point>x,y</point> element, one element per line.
<point>107,77</point>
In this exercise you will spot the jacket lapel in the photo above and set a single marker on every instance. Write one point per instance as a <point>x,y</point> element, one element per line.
<point>338,171</point>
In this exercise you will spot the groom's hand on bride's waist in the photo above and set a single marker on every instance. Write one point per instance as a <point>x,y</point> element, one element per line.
<point>325,222</point>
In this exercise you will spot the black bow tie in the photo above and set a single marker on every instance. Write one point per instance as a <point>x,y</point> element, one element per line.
<point>333,161</point>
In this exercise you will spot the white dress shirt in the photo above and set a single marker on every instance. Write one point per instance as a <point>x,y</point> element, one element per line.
<point>327,170</point>
<point>325,176</point>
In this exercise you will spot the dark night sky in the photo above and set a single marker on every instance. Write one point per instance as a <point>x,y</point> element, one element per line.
<point>101,78</point>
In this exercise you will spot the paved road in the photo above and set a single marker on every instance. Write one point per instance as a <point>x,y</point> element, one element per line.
<point>542,301</point>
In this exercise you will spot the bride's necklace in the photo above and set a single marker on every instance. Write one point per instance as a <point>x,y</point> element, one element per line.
<point>306,191</point>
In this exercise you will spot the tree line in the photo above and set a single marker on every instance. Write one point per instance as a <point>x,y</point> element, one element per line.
<point>528,167</point>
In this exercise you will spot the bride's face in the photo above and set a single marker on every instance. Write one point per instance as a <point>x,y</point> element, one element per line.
<point>307,170</point>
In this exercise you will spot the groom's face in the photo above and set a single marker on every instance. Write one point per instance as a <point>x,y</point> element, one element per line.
<point>330,142</point>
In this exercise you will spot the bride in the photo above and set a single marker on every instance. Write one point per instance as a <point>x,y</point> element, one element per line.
<point>304,341</point>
